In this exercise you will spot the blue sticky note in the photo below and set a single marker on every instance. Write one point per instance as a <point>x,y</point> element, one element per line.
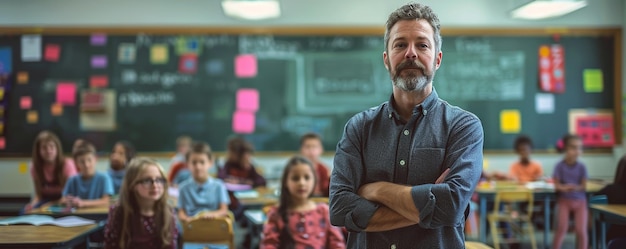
<point>6,65</point>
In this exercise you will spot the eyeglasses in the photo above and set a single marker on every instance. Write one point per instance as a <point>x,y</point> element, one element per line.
<point>149,181</point>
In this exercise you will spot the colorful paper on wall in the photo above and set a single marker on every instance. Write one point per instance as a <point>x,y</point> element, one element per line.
<point>56,109</point>
<point>187,45</point>
<point>3,143</point>
<point>99,81</point>
<point>52,53</point>
<point>245,66</point>
<point>544,103</point>
<point>99,61</point>
<point>98,39</point>
<point>31,48</point>
<point>188,64</point>
<point>1,127</point>
<point>66,93</point>
<point>247,99</point>
<point>26,102</point>
<point>22,77</point>
<point>23,168</point>
<point>593,80</point>
<point>32,117</point>
<point>127,53</point>
<point>6,62</point>
<point>159,54</point>
<point>594,126</point>
<point>1,93</point>
<point>243,122</point>
<point>215,67</point>
<point>510,121</point>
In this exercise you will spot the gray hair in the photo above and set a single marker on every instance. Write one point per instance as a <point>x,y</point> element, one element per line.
<point>415,11</point>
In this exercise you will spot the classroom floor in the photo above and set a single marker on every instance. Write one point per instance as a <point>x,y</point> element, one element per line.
<point>569,242</point>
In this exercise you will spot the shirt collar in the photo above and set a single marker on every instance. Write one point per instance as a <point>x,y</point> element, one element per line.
<point>422,108</point>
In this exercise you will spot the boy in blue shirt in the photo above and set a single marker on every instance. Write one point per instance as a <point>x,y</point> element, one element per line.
<point>201,196</point>
<point>89,188</point>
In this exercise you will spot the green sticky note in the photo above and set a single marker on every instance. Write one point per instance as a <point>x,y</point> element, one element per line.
<point>593,80</point>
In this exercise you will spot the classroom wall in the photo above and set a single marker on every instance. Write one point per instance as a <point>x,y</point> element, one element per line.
<point>15,181</point>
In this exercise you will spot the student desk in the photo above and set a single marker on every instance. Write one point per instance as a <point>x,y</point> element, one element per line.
<point>606,213</point>
<point>264,196</point>
<point>29,236</point>
<point>93,213</point>
<point>487,193</point>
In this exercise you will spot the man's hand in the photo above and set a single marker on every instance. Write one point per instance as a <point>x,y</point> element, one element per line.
<point>369,191</point>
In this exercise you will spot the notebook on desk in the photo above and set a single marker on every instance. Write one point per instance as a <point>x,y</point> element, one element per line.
<point>38,220</point>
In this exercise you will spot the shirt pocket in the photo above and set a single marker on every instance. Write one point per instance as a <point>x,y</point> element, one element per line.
<point>425,166</point>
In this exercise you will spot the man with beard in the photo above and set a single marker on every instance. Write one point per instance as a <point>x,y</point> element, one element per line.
<point>404,171</point>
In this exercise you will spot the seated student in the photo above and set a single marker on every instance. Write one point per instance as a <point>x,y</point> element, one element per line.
<point>121,155</point>
<point>178,174</point>
<point>183,144</point>
<point>298,222</point>
<point>77,143</point>
<point>89,188</point>
<point>202,196</point>
<point>238,168</point>
<point>616,194</point>
<point>311,147</point>
<point>142,218</point>
<point>525,170</point>
<point>49,170</point>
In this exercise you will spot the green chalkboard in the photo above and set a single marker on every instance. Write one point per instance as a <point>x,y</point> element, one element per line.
<point>304,83</point>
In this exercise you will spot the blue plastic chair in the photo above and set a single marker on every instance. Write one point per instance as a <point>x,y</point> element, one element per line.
<point>619,243</point>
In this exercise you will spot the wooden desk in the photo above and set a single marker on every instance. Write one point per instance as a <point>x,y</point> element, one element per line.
<point>488,192</point>
<point>93,213</point>
<point>476,245</point>
<point>29,236</point>
<point>606,213</point>
<point>265,196</point>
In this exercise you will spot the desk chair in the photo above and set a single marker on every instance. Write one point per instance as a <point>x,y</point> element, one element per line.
<point>593,233</point>
<point>519,220</point>
<point>213,231</point>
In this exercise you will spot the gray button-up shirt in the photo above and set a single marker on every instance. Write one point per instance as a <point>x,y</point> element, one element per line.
<point>377,145</point>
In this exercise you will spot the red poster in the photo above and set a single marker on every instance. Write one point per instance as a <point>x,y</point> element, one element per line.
<point>552,68</point>
<point>596,130</point>
<point>188,63</point>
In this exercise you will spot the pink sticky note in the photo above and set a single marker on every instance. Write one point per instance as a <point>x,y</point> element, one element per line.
<point>248,99</point>
<point>99,61</point>
<point>245,66</point>
<point>243,122</point>
<point>66,93</point>
<point>98,39</point>
<point>99,81</point>
<point>26,102</point>
<point>52,53</point>
<point>188,63</point>
<point>3,143</point>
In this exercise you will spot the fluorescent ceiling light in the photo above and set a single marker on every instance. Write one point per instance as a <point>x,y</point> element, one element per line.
<point>540,9</point>
<point>251,9</point>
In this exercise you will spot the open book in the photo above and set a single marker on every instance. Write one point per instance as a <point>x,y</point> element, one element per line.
<point>37,220</point>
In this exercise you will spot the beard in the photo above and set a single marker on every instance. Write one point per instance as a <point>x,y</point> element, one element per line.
<point>412,80</point>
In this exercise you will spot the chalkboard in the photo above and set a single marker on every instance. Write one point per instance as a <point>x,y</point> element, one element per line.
<point>304,83</point>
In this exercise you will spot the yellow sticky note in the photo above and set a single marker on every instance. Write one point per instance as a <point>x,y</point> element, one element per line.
<point>22,77</point>
<point>593,80</point>
<point>56,109</point>
<point>159,54</point>
<point>32,117</point>
<point>1,127</point>
<point>1,93</point>
<point>510,121</point>
<point>23,168</point>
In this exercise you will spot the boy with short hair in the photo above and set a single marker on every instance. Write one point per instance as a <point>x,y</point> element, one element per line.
<point>311,147</point>
<point>183,144</point>
<point>89,188</point>
<point>201,196</point>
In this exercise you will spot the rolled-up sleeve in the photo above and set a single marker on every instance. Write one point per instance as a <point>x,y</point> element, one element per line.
<point>347,208</point>
<point>444,204</point>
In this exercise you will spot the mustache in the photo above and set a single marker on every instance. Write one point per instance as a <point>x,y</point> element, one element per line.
<point>410,64</point>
